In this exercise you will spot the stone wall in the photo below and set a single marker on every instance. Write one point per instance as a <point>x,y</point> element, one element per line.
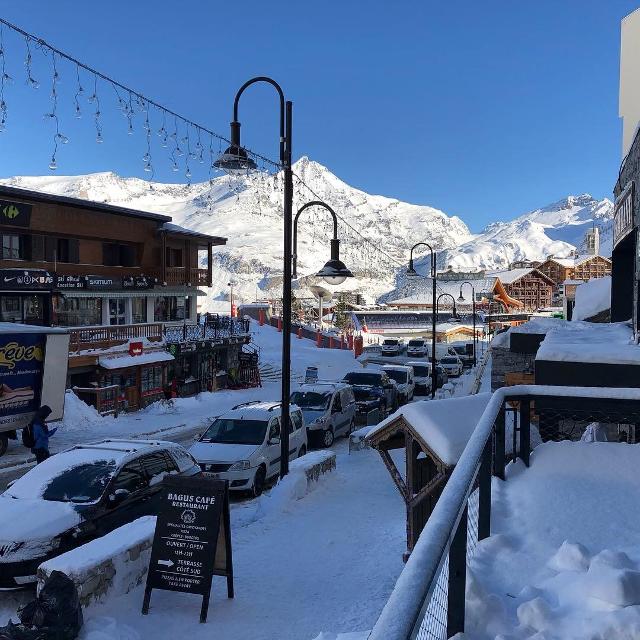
<point>504,361</point>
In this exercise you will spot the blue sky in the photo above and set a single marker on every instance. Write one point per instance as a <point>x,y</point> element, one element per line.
<point>482,109</point>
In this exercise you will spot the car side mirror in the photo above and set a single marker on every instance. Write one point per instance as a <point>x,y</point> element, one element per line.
<point>274,440</point>
<point>10,484</point>
<point>118,497</point>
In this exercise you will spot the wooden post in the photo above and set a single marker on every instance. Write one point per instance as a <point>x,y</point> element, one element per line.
<point>209,264</point>
<point>457,578</point>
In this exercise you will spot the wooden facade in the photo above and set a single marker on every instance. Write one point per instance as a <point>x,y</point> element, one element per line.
<point>586,268</point>
<point>533,289</point>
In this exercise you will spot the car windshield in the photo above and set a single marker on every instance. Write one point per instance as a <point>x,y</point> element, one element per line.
<point>416,343</point>
<point>390,343</point>
<point>311,400</point>
<point>449,361</point>
<point>233,431</point>
<point>460,350</point>
<point>421,371</point>
<point>397,375</point>
<point>356,377</point>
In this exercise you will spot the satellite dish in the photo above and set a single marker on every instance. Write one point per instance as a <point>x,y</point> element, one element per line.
<point>320,293</point>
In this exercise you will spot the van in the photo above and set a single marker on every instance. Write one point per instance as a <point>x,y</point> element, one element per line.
<point>243,445</point>
<point>329,410</point>
<point>421,377</point>
<point>404,378</point>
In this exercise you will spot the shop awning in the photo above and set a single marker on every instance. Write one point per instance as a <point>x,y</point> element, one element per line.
<point>125,360</point>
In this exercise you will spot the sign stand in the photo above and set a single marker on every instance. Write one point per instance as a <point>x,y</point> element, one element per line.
<point>192,540</point>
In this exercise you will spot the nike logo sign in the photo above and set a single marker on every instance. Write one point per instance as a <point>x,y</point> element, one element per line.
<point>10,279</point>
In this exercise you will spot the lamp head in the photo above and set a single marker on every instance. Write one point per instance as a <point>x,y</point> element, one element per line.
<point>235,159</point>
<point>411,272</point>
<point>334,272</point>
<point>461,297</point>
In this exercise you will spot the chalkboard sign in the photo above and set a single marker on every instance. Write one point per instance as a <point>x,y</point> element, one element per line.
<point>192,540</point>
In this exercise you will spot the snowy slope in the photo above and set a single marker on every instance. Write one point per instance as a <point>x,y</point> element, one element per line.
<point>248,210</point>
<point>556,229</point>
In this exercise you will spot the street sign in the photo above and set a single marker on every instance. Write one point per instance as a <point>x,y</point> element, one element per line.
<point>192,540</point>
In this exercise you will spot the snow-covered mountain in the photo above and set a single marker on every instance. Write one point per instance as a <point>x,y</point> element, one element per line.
<point>557,229</point>
<point>248,211</point>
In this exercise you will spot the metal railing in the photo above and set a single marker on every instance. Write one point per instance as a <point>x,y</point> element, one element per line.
<point>214,328</point>
<point>92,337</point>
<point>428,601</point>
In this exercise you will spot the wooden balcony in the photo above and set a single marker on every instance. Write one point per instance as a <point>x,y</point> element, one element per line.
<point>183,276</point>
<point>104,337</point>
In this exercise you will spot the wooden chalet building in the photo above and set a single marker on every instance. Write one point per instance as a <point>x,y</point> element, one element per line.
<point>124,282</point>
<point>532,288</point>
<point>583,268</point>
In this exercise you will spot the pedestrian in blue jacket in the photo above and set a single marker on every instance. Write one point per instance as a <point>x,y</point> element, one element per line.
<point>41,434</point>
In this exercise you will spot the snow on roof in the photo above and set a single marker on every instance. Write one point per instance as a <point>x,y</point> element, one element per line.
<point>34,483</point>
<point>123,361</point>
<point>445,425</point>
<point>592,297</point>
<point>396,367</point>
<point>452,287</point>
<point>507,277</point>
<point>16,327</point>
<point>176,228</point>
<point>581,341</point>
<point>538,324</point>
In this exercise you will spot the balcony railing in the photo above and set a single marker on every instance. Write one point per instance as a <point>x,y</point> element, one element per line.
<point>215,328</point>
<point>181,275</point>
<point>102,337</point>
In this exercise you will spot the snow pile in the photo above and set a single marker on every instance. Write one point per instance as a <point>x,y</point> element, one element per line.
<point>78,414</point>
<point>563,560</point>
<point>592,297</point>
<point>107,628</point>
<point>444,425</point>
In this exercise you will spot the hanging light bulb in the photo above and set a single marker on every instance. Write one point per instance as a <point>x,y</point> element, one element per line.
<point>164,142</point>
<point>130,130</point>
<point>179,151</point>
<point>62,138</point>
<point>148,168</point>
<point>99,138</point>
<point>53,165</point>
<point>175,166</point>
<point>146,158</point>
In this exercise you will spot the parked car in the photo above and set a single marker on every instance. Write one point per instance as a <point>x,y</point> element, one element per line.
<point>373,390</point>
<point>417,348</point>
<point>422,377</point>
<point>442,377</point>
<point>329,410</point>
<point>404,377</point>
<point>452,365</point>
<point>465,353</point>
<point>392,347</point>
<point>78,495</point>
<point>243,445</point>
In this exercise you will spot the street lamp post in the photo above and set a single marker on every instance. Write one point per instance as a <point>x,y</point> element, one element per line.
<point>230,285</point>
<point>411,272</point>
<point>235,159</point>
<point>447,295</point>
<point>473,300</point>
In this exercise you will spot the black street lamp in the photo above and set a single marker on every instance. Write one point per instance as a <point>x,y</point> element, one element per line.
<point>473,299</point>
<point>412,273</point>
<point>334,271</point>
<point>447,295</point>
<point>235,159</point>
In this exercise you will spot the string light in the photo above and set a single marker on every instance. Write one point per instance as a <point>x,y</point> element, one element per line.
<point>31,81</point>
<point>5,78</point>
<point>96,116</point>
<point>162,132</point>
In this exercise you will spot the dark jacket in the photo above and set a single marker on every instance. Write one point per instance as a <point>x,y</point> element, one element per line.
<point>42,433</point>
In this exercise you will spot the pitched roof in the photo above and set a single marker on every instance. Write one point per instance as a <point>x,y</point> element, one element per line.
<point>511,276</point>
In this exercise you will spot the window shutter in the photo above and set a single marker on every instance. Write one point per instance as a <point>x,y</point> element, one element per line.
<point>50,246</point>
<point>74,251</point>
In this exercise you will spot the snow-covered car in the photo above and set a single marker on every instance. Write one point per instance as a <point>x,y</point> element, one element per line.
<point>78,495</point>
<point>421,376</point>
<point>329,410</point>
<point>373,390</point>
<point>452,365</point>
<point>243,445</point>
<point>404,377</point>
<point>417,348</point>
<point>392,347</point>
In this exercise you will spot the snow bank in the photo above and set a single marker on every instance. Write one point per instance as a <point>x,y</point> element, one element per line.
<point>445,425</point>
<point>592,297</point>
<point>111,565</point>
<point>78,414</point>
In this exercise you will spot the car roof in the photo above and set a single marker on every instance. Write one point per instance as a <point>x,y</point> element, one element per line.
<point>121,449</point>
<point>418,363</point>
<point>322,386</point>
<point>397,367</point>
<point>256,410</point>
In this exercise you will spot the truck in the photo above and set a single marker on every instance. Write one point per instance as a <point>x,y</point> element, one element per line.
<point>33,372</point>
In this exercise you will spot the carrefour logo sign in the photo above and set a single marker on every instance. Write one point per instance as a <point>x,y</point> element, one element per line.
<point>15,213</point>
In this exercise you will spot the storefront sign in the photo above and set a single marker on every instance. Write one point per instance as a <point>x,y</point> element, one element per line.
<point>15,214</point>
<point>138,282</point>
<point>623,215</point>
<point>25,280</point>
<point>68,282</point>
<point>102,282</point>
<point>192,540</point>
<point>21,370</point>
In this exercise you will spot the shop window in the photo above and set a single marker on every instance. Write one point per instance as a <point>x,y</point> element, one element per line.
<point>138,310</point>
<point>10,309</point>
<point>33,309</point>
<point>117,308</point>
<point>77,312</point>
<point>151,380</point>
<point>169,308</point>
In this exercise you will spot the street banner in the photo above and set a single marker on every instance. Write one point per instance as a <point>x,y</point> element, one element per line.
<point>192,540</point>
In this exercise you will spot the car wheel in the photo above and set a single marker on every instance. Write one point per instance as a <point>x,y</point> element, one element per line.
<point>4,444</point>
<point>259,481</point>
<point>349,428</point>
<point>327,438</point>
<point>302,452</point>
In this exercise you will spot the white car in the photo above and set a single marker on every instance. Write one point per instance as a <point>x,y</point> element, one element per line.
<point>391,347</point>
<point>452,365</point>
<point>421,376</point>
<point>243,445</point>
<point>417,348</point>
<point>404,378</point>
